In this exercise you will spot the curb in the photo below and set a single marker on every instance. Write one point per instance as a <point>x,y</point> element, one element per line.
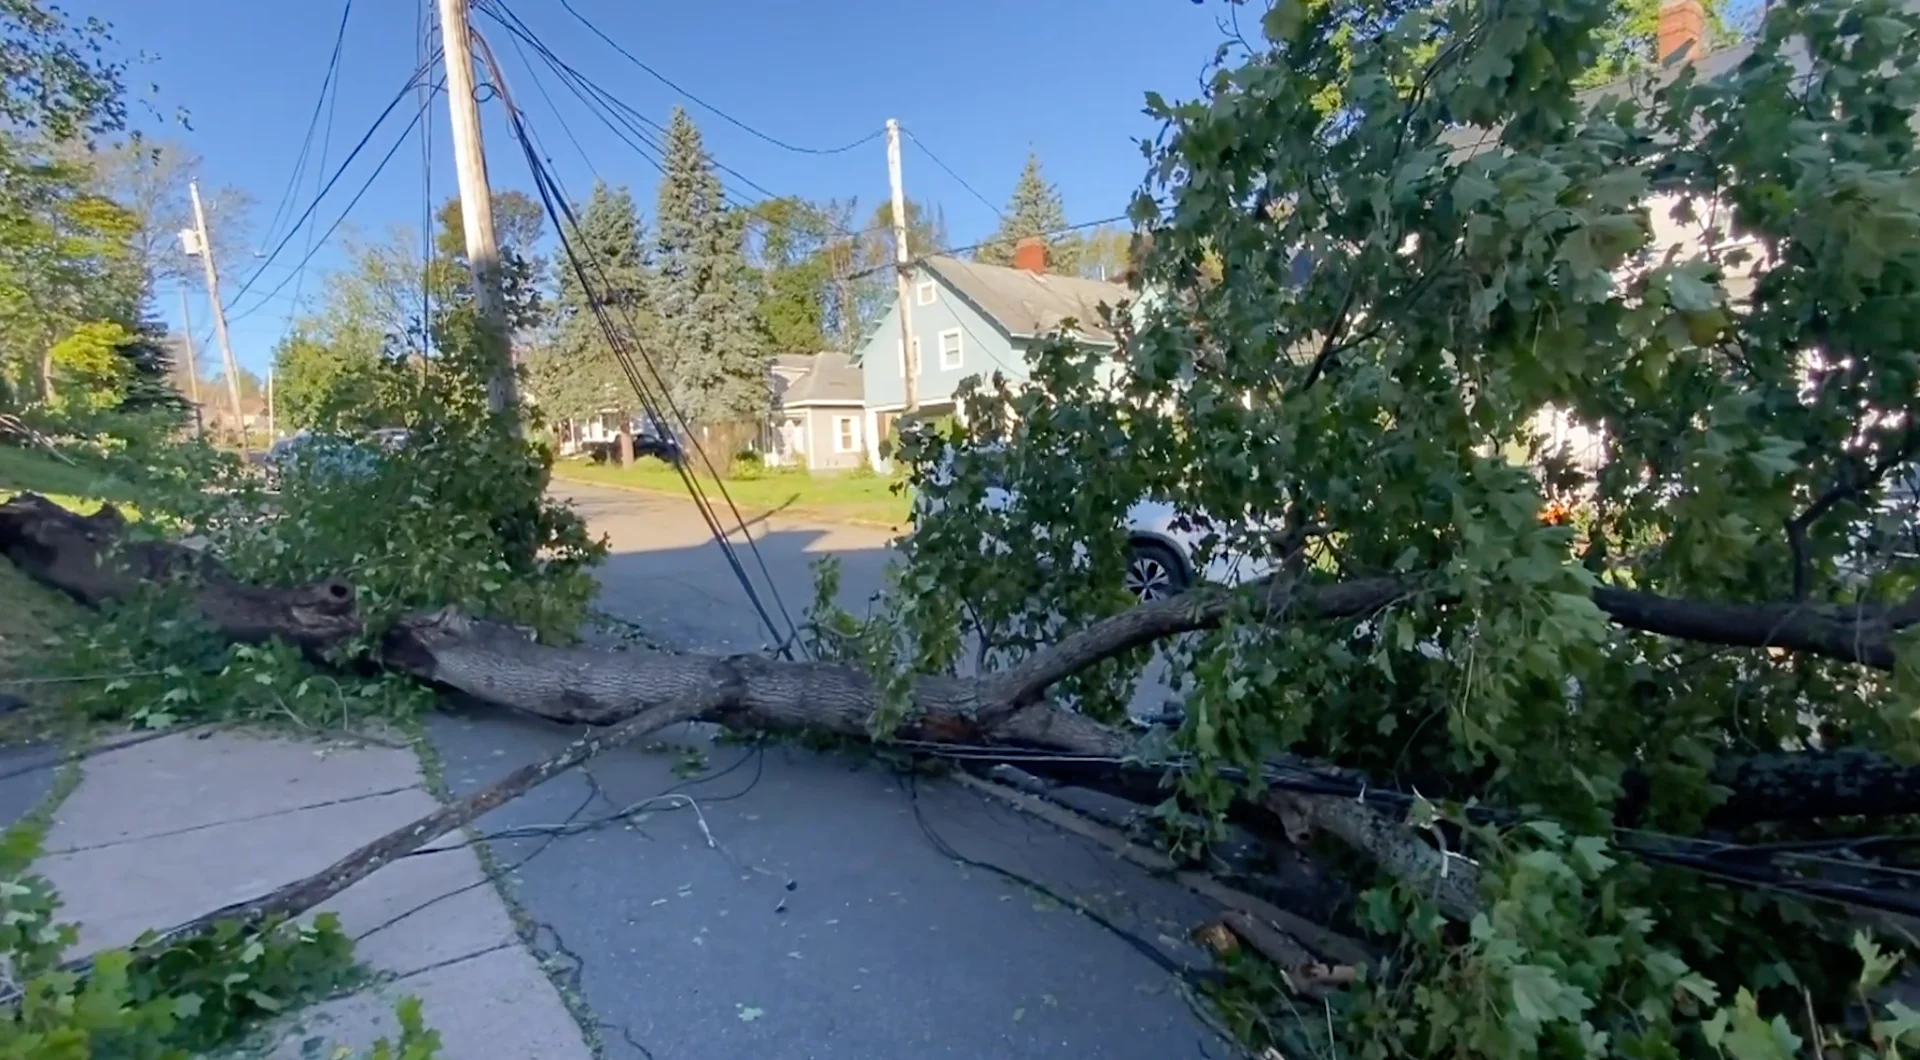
<point>747,512</point>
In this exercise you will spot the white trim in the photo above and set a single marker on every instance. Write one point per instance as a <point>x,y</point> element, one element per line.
<point>925,293</point>
<point>939,402</point>
<point>873,451</point>
<point>959,350</point>
<point>842,443</point>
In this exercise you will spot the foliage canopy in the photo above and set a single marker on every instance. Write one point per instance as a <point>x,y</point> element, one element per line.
<point>1388,249</point>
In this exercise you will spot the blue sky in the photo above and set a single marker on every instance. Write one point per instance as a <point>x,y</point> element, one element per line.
<point>979,82</point>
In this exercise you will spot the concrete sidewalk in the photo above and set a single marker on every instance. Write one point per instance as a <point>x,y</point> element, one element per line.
<point>161,831</point>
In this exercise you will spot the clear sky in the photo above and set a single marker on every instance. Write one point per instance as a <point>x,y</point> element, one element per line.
<point>979,82</point>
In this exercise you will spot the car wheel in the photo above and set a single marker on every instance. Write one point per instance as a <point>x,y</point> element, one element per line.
<point>1154,572</point>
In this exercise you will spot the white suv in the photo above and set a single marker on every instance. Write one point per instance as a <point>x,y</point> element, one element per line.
<point>1162,555</point>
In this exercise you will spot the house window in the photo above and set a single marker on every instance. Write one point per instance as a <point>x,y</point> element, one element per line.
<point>919,362</point>
<point>950,354</point>
<point>846,434</point>
<point>923,292</point>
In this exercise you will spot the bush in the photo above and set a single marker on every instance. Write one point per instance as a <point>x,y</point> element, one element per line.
<point>166,1003</point>
<point>747,465</point>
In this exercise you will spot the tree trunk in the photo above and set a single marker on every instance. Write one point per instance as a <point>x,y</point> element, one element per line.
<point>45,377</point>
<point>88,558</point>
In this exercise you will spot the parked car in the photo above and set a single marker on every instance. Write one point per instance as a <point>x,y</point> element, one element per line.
<point>1163,552</point>
<point>329,454</point>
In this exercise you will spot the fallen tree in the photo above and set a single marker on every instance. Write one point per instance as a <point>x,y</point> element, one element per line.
<point>93,559</point>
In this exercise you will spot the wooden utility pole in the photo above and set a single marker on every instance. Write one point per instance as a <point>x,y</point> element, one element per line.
<point>193,367</point>
<point>903,262</point>
<point>476,204</point>
<point>270,406</point>
<point>204,246</point>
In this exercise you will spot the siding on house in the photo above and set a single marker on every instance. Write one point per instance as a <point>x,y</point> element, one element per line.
<point>814,394</point>
<point>994,313</point>
<point>825,450</point>
<point>984,349</point>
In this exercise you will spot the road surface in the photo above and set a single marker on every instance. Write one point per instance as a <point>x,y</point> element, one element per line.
<point>667,573</point>
<point>786,904</point>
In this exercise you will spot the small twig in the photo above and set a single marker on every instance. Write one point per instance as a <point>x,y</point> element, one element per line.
<point>1314,936</point>
<point>78,678</point>
<point>297,897</point>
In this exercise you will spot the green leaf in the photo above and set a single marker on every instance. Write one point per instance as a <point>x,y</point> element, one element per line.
<point>270,1004</point>
<point>1691,294</point>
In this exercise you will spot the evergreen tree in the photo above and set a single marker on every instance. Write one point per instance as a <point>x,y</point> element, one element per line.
<point>705,294</point>
<point>150,370</point>
<point>1036,209</point>
<point>575,375</point>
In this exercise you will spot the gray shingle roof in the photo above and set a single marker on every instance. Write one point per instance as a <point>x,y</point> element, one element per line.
<point>831,379</point>
<point>1470,140</point>
<point>1026,304</point>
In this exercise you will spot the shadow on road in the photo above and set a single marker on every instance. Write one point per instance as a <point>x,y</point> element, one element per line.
<point>787,904</point>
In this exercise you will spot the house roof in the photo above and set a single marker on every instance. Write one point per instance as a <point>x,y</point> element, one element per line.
<point>830,379</point>
<point>1026,304</point>
<point>1470,140</point>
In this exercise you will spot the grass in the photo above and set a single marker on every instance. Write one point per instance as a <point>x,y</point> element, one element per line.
<point>80,486</point>
<point>35,615</point>
<point>851,497</point>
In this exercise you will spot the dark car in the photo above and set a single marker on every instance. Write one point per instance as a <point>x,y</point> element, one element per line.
<point>656,443</point>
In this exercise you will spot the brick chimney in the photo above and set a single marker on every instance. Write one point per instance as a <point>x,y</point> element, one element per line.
<point>1030,254</point>
<point>1682,22</point>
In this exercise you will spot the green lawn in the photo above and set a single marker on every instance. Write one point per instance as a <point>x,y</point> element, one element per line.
<point>859,497</point>
<point>77,486</point>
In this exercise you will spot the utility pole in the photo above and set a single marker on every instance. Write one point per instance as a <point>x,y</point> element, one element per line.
<point>270,406</point>
<point>476,203</point>
<point>193,368</point>
<point>909,362</point>
<point>204,246</point>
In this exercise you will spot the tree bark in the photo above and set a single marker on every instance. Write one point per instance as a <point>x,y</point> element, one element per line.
<point>90,559</point>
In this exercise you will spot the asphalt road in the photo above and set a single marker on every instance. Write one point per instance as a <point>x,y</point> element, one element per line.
<point>667,573</point>
<point>786,904</point>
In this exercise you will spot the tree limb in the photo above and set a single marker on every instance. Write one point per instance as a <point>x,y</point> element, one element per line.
<point>1848,487</point>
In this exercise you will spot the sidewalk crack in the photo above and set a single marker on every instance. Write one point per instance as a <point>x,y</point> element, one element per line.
<point>232,820</point>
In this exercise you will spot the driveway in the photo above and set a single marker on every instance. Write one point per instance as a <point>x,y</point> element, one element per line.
<point>785,904</point>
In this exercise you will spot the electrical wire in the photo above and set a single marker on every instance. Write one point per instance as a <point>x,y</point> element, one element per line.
<point>313,123</point>
<point>955,252</point>
<point>344,213</point>
<point>1726,862</point>
<point>398,97</point>
<point>558,207</point>
<point>1188,975</point>
<point>629,124</point>
<point>723,115</point>
<point>921,144</point>
<point>306,250</point>
<point>428,19</point>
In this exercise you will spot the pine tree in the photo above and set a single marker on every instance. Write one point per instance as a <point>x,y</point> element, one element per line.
<point>1035,209</point>
<point>577,376</point>
<point>705,294</point>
